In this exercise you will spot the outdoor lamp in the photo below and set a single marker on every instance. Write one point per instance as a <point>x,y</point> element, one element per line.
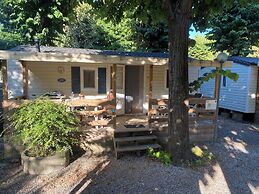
<point>222,57</point>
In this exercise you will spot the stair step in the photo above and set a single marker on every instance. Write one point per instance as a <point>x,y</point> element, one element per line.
<point>137,147</point>
<point>125,130</point>
<point>135,138</point>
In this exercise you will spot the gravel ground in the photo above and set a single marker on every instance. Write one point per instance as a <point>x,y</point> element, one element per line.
<point>236,171</point>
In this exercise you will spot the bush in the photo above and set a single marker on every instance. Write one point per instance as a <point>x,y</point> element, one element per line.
<point>44,127</point>
<point>201,158</point>
<point>162,156</point>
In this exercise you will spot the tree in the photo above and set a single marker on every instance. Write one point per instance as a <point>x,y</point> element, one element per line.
<point>9,40</point>
<point>236,30</point>
<point>36,18</point>
<point>201,49</point>
<point>151,37</point>
<point>178,14</point>
<point>90,31</point>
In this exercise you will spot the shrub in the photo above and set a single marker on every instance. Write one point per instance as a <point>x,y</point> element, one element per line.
<point>163,156</point>
<point>202,158</point>
<point>44,127</point>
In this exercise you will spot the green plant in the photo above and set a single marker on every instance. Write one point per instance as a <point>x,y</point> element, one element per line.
<point>202,158</point>
<point>44,127</point>
<point>196,84</point>
<point>162,156</point>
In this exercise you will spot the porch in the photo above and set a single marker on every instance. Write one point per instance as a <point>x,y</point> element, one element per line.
<point>149,88</point>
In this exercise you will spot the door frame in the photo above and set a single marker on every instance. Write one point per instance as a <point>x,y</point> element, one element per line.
<point>142,93</point>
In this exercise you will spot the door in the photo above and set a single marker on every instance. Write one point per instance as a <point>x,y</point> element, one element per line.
<point>134,84</point>
<point>101,80</point>
<point>75,79</point>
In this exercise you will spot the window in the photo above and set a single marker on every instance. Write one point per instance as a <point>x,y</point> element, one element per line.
<point>89,78</point>
<point>224,81</point>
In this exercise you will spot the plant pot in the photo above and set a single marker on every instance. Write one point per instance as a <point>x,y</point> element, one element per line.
<point>44,165</point>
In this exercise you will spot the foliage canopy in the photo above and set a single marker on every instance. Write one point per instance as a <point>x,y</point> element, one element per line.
<point>236,30</point>
<point>42,19</point>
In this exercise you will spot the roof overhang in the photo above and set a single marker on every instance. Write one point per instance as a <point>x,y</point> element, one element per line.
<point>99,59</point>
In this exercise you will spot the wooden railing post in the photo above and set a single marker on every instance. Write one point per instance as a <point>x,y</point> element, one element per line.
<point>217,96</point>
<point>150,91</point>
<point>114,71</point>
<point>5,85</point>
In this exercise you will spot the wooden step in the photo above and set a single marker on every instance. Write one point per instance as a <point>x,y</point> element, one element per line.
<point>135,138</point>
<point>125,130</point>
<point>137,147</point>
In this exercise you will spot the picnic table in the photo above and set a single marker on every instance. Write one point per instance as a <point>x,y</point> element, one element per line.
<point>87,108</point>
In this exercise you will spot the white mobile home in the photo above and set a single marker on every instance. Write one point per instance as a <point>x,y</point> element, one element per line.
<point>241,96</point>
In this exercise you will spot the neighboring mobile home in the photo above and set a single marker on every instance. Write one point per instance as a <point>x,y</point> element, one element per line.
<point>241,96</point>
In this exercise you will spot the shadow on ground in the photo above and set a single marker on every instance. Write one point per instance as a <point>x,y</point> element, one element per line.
<point>236,169</point>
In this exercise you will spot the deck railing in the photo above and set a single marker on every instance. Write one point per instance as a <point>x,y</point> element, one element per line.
<point>202,118</point>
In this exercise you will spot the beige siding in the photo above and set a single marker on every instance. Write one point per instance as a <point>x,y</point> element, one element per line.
<point>43,77</point>
<point>159,82</point>
<point>15,80</point>
<point>159,77</point>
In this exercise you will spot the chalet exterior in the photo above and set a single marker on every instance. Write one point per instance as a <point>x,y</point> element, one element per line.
<point>138,82</point>
<point>89,72</point>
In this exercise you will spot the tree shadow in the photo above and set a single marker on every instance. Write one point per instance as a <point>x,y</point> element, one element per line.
<point>235,169</point>
<point>12,178</point>
<point>237,153</point>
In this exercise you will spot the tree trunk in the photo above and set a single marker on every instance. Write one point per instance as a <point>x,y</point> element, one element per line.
<point>179,13</point>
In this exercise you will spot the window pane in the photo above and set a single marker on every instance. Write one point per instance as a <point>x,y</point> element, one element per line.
<point>224,81</point>
<point>89,79</point>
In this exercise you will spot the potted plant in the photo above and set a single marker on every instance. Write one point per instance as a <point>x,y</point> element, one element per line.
<point>47,132</point>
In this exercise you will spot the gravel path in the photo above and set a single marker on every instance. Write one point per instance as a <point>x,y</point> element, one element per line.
<point>236,171</point>
<point>13,180</point>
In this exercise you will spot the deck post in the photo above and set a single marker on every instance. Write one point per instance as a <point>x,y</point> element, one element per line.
<point>5,85</point>
<point>113,80</point>
<point>25,80</point>
<point>114,71</point>
<point>150,91</point>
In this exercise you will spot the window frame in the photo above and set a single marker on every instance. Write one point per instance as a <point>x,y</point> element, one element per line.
<point>95,78</point>
<point>166,78</point>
